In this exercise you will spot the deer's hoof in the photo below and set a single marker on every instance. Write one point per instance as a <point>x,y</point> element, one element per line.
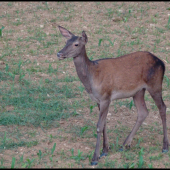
<point>94,163</point>
<point>103,154</point>
<point>121,149</point>
<point>164,150</point>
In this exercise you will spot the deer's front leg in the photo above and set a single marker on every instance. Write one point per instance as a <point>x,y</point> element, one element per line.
<point>105,142</point>
<point>105,139</point>
<point>104,106</point>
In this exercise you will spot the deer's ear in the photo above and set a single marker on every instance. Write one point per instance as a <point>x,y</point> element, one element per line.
<point>84,37</point>
<point>67,34</point>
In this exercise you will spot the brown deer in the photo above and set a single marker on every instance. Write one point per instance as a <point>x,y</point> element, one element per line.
<point>116,78</point>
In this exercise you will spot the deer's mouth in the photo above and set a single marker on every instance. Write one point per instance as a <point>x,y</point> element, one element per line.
<point>61,58</point>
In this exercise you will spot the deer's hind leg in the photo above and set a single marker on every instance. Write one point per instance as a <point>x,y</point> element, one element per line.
<point>142,114</point>
<point>157,97</point>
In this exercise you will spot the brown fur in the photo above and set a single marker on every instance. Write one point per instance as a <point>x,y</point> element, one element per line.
<point>127,72</point>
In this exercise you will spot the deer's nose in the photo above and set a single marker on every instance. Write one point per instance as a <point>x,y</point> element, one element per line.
<point>59,55</point>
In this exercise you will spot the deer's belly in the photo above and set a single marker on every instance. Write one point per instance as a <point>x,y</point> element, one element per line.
<point>97,97</point>
<point>125,94</point>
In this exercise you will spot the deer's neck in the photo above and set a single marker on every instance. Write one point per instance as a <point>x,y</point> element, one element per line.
<point>82,64</point>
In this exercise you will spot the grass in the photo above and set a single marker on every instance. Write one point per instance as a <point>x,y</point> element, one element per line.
<point>42,99</point>
<point>35,98</point>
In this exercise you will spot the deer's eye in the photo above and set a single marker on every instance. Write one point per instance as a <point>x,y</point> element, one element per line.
<point>76,44</point>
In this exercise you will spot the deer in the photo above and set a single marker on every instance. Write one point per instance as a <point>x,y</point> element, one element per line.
<point>109,79</point>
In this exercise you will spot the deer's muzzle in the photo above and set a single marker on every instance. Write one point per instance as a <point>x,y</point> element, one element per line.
<point>60,56</point>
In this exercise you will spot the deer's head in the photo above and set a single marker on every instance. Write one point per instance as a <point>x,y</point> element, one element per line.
<point>74,44</point>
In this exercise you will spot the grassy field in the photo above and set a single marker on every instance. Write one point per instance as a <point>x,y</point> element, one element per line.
<point>47,120</point>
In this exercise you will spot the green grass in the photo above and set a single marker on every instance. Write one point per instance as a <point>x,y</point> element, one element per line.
<point>31,104</point>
